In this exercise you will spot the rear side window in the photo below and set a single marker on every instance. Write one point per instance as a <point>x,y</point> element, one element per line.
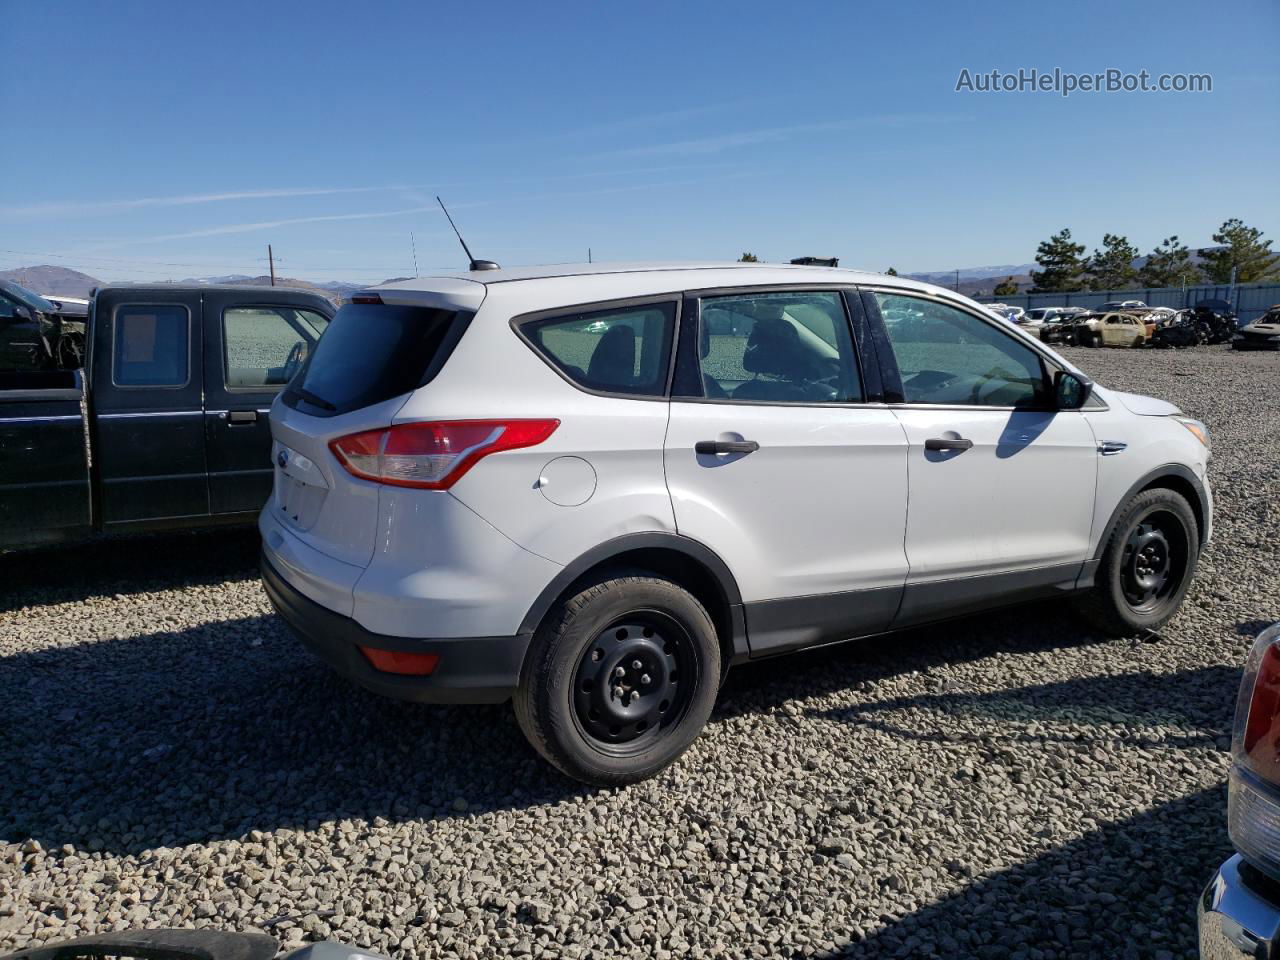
<point>622,350</point>
<point>373,352</point>
<point>151,346</point>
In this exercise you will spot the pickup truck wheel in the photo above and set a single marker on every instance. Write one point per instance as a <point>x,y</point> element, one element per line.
<point>619,680</point>
<point>1146,567</point>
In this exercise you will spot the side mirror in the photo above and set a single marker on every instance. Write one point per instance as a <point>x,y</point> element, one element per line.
<point>1071,391</point>
<point>20,312</point>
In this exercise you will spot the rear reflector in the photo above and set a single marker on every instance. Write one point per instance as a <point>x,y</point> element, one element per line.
<point>432,456</point>
<point>395,661</point>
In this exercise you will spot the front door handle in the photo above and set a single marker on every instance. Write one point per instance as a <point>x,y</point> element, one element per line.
<point>942,443</point>
<point>242,416</point>
<point>726,446</point>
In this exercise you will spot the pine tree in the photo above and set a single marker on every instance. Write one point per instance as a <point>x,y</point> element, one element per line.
<point>1111,268</point>
<point>1006,289</point>
<point>1061,266</point>
<point>1242,248</point>
<point>748,258</point>
<point>891,272</point>
<point>1169,265</point>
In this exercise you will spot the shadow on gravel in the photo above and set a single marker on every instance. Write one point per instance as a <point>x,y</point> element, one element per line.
<point>1251,628</point>
<point>205,733</point>
<point>1200,701</point>
<point>125,565</point>
<point>1123,892</point>
<point>1025,629</point>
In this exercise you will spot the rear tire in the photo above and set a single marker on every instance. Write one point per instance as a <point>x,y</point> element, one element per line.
<point>619,680</point>
<point>1095,340</point>
<point>1146,567</point>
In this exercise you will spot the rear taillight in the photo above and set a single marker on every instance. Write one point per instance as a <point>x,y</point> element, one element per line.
<point>1253,811</point>
<point>432,456</point>
<point>1256,737</point>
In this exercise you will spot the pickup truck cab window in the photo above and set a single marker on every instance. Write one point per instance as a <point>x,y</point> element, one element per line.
<point>265,346</point>
<point>151,346</point>
<point>949,356</point>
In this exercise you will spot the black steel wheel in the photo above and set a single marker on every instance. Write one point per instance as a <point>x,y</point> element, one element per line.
<point>1146,566</point>
<point>633,681</point>
<point>619,680</point>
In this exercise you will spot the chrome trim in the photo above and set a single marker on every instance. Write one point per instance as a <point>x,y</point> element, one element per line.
<point>69,416</point>
<point>151,413</point>
<point>1236,921</point>
<point>1109,448</point>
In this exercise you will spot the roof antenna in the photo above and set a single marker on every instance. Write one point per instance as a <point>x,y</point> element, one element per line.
<point>475,264</point>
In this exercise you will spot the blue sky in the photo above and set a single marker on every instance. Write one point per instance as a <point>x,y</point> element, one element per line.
<point>166,140</point>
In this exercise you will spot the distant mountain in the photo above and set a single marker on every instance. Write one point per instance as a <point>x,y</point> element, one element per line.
<point>48,279</point>
<point>947,278</point>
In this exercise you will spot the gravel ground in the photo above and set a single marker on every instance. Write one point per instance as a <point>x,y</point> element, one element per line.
<point>1005,786</point>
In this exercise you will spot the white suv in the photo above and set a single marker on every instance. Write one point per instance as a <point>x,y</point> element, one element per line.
<point>594,488</point>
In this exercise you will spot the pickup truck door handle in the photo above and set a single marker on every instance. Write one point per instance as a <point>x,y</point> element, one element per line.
<point>942,443</point>
<point>242,416</point>
<point>726,446</point>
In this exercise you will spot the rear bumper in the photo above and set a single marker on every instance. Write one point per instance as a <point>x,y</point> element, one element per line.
<point>1236,919</point>
<point>470,670</point>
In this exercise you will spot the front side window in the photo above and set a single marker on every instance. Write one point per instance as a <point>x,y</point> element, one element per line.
<point>150,346</point>
<point>946,355</point>
<point>266,346</point>
<point>621,350</point>
<point>778,348</point>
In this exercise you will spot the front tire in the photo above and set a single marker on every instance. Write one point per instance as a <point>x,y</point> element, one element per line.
<point>1146,567</point>
<point>619,680</point>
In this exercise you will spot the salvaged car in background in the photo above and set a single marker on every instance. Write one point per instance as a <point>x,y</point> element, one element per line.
<point>166,426</point>
<point>1263,334</point>
<point>1239,912</point>
<point>1128,328</point>
<point>1217,320</point>
<point>1181,330</point>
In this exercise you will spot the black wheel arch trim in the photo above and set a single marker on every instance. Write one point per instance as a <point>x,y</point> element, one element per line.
<point>1200,508</point>
<point>656,540</point>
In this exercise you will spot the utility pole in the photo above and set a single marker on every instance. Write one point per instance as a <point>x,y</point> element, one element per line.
<point>957,281</point>
<point>588,254</point>
<point>413,245</point>
<point>271,262</point>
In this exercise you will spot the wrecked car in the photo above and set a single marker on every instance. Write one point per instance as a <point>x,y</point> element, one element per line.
<point>1262,334</point>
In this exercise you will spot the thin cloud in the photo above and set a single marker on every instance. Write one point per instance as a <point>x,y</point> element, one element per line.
<point>234,228</point>
<point>288,222</point>
<point>744,138</point>
<point>73,209</point>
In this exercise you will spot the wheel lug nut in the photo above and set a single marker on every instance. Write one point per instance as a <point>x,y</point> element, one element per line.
<point>619,672</point>
<point>645,680</point>
<point>636,664</point>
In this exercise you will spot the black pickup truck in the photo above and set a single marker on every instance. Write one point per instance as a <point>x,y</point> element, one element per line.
<point>164,426</point>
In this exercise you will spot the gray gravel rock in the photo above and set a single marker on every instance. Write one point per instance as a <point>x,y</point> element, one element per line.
<point>1009,785</point>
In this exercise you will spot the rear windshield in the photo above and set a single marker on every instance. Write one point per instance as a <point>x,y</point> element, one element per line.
<point>371,353</point>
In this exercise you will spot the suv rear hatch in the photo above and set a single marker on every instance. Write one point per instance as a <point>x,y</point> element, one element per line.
<point>372,356</point>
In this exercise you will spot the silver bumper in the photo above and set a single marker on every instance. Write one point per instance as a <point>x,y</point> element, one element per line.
<point>1235,920</point>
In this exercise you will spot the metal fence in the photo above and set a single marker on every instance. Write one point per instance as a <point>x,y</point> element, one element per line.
<point>1250,300</point>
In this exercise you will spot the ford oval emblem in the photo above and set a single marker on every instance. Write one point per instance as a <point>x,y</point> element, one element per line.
<point>282,458</point>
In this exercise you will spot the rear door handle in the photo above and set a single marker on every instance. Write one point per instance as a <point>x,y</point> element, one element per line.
<point>942,443</point>
<point>242,416</point>
<point>726,446</point>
